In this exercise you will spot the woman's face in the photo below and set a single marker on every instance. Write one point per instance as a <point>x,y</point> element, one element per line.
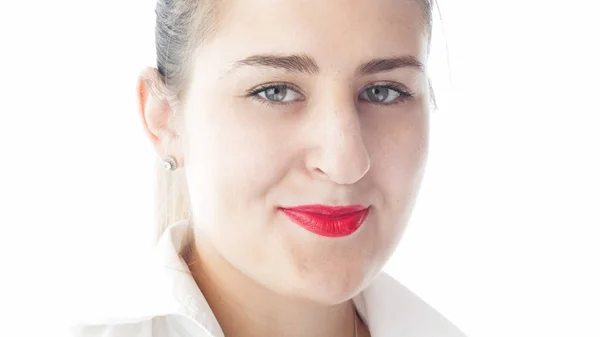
<point>299,103</point>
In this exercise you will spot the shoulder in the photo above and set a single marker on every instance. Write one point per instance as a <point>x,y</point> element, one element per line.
<point>113,329</point>
<point>175,324</point>
<point>126,317</point>
<point>391,306</point>
<point>132,305</point>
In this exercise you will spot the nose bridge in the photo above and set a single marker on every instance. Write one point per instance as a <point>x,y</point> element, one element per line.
<point>342,124</point>
<point>341,153</point>
<point>336,108</point>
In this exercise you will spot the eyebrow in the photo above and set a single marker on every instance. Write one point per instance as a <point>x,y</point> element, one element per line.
<point>389,64</point>
<point>302,63</point>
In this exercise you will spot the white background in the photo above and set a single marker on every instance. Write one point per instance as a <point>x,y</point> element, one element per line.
<point>504,238</point>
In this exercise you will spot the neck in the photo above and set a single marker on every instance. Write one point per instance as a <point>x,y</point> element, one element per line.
<point>245,308</point>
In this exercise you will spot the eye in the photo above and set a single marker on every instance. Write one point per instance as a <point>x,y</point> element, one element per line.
<point>384,94</point>
<point>276,93</point>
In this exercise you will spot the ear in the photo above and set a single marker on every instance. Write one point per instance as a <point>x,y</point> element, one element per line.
<point>156,112</point>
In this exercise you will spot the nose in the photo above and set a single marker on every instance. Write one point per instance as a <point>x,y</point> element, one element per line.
<point>338,153</point>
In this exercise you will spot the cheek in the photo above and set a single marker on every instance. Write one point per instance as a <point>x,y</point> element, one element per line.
<point>230,159</point>
<point>398,151</point>
<point>398,146</point>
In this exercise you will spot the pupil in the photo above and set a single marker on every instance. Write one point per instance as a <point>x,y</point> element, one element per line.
<point>277,94</point>
<point>379,94</point>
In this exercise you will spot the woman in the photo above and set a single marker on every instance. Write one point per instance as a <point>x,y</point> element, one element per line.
<point>294,136</point>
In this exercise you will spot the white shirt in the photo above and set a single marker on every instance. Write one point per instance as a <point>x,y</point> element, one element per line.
<point>175,307</point>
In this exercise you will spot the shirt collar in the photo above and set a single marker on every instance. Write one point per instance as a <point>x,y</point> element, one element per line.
<point>386,306</point>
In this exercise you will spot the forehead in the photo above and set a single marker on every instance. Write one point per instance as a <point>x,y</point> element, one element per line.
<point>336,33</point>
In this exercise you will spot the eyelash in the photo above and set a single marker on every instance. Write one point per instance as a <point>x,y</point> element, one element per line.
<point>403,93</point>
<point>254,93</point>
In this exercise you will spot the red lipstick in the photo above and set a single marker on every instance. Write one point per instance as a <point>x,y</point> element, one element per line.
<point>329,221</point>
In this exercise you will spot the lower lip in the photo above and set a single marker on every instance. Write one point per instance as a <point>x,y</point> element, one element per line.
<point>328,222</point>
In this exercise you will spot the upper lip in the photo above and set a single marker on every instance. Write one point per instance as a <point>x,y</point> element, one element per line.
<point>325,210</point>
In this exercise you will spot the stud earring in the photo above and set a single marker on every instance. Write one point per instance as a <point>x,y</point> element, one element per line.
<point>170,163</point>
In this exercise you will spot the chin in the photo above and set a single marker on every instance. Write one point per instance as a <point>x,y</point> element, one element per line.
<point>331,287</point>
<point>330,296</point>
<point>329,274</point>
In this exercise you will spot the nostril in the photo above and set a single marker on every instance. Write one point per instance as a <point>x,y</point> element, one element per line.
<point>320,173</point>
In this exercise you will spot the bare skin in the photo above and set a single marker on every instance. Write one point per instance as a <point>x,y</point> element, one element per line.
<point>344,131</point>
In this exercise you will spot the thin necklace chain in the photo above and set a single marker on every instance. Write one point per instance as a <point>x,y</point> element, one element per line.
<point>355,325</point>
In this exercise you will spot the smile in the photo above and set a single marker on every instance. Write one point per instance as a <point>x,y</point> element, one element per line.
<point>329,221</point>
